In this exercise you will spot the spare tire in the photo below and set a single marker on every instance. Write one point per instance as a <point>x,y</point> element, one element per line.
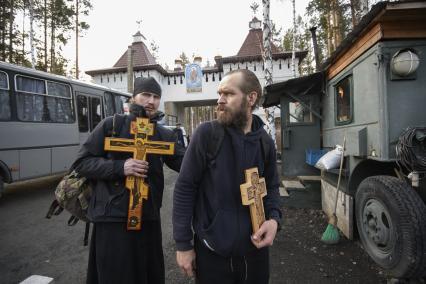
<point>391,221</point>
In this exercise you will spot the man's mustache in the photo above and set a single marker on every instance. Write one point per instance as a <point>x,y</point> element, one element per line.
<point>221,108</point>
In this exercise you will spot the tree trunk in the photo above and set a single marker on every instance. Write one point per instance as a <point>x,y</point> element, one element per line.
<point>45,35</point>
<point>11,18</point>
<point>337,25</point>
<point>329,33</point>
<point>23,33</point>
<point>32,34</point>
<point>293,48</point>
<point>76,39</point>
<point>267,61</point>
<point>3,29</point>
<point>52,36</point>
<point>354,8</point>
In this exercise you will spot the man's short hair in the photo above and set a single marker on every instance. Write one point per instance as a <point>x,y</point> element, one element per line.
<point>249,83</point>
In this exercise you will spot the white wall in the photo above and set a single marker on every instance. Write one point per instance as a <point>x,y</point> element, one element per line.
<point>176,92</point>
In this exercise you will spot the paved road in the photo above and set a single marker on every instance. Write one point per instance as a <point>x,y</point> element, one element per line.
<point>30,244</point>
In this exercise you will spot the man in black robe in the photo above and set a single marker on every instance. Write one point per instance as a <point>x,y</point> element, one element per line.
<point>117,255</point>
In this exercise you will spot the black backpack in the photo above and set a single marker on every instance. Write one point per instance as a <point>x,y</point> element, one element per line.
<point>73,192</point>
<point>216,137</point>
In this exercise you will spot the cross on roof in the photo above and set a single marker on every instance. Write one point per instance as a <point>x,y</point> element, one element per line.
<point>254,6</point>
<point>139,24</point>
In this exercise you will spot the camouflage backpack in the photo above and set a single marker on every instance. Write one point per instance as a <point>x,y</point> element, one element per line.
<point>73,191</point>
<point>73,194</point>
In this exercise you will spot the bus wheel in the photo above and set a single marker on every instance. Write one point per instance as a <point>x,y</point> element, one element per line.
<point>391,221</point>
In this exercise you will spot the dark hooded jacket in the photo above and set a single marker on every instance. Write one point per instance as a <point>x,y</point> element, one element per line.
<point>207,193</point>
<point>105,170</point>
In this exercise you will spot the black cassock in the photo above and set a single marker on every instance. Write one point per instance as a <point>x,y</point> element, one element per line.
<point>120,256</point>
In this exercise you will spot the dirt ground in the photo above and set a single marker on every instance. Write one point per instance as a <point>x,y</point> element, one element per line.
<point>298,255</point>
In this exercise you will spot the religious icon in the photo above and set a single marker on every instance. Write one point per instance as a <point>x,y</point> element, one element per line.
<point>194,78</point>
<point>139,146</point>
<point>252,193</point>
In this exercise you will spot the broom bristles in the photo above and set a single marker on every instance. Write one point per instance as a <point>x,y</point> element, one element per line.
<point>331,235</point>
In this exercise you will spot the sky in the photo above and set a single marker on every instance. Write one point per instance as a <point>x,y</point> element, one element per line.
<point>205,28</point>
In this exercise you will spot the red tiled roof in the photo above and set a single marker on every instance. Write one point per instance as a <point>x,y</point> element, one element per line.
<point>141,56</point>
<point>253,44</point>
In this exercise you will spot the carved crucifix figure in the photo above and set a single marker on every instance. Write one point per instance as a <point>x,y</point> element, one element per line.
<point>252,193</point>
<point>139,146</point>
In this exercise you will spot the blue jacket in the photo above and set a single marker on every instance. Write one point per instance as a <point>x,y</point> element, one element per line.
<point>207,193</point>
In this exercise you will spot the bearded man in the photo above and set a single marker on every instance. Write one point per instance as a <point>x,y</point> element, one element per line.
<point>211,227</point>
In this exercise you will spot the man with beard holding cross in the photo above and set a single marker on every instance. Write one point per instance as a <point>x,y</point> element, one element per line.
<point>123,251</point>
<point>215,194</point>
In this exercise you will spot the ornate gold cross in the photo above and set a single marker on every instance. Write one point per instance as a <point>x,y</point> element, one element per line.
<point>252,193</point>
<point>139,146</point>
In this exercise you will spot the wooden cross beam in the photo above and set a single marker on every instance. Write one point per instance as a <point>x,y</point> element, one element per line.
<point>139,146</point>
<point>252,193</point>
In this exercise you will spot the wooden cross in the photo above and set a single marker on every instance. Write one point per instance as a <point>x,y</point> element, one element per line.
<point>252,193</point>
<point>139,146</point>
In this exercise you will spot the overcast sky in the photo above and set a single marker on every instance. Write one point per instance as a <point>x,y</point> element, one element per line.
<point>205,28</point>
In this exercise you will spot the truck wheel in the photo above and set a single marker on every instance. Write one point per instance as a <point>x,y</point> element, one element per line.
<point>391,221</point>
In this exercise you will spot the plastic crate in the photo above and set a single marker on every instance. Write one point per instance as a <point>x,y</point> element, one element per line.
<point>313,155</point>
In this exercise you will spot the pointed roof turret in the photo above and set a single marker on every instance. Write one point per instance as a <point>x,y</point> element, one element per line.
<point>141,53</point>
<point>253,44</point>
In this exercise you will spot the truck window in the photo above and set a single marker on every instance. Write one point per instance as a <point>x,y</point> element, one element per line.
<point>4,97</point>
<point>343,101</point>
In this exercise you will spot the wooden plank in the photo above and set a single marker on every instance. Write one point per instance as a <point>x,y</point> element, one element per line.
<point>292,184</point>
<point>309,178</point>
<point>344,210</point>
<point>361,45</point>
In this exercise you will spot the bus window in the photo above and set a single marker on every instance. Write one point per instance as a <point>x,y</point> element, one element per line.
<point>109,104</point>
<point>59,102</point>
<point>31,105</point>
<point>4,97</point>
<point>95,110</point>
<point>82,113</point>
<point>35,103</point>
<point>119,102</point>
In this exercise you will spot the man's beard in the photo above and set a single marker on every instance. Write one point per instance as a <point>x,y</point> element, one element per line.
<point>236,118</point>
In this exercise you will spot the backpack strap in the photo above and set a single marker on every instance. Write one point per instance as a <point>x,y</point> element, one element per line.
<point>264,139</point>
<point>86,234</point>
<point>54,209</point>
<point>215,140</point>
<point>217,134</point>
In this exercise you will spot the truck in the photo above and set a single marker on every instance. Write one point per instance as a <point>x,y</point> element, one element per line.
<point>371,91</point>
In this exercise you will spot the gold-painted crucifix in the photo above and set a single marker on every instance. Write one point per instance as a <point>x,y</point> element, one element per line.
<point>139,146</point>
<point>252,193</point>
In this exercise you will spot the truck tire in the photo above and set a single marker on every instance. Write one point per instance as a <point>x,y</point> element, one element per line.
<point>391,221</point>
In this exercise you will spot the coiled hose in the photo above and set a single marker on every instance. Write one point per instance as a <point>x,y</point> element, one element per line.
<point>411,149</point>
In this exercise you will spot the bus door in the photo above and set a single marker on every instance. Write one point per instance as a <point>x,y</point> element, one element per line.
<point>89,113</point>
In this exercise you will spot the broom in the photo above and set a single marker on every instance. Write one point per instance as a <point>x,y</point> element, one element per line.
<point>331,235</point>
